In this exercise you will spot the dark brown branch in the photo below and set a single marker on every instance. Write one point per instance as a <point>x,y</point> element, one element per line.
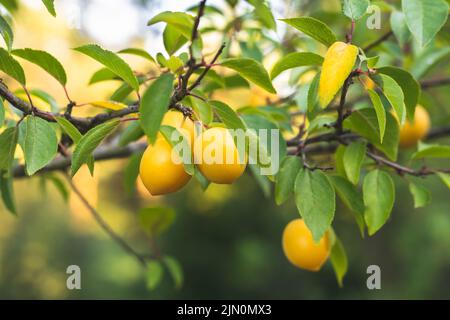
<point>377,42</point>
<point>437,133</point>
<point>431,83</point>
<point>207,68</point>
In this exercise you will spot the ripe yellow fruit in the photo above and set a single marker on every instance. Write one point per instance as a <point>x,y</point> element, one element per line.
<point>158,170</point>
<point>260,97</point>
<point>300,248</point>
<point>177,120</point>
<point>411,133</point>
<point>337,66</point>
<point>217,156</point>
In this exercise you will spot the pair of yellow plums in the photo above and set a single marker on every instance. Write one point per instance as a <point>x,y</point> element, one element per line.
<point>162,175</point>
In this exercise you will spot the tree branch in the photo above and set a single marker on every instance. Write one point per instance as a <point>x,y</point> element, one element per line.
<point>378,41</point>
<point>431,83</point>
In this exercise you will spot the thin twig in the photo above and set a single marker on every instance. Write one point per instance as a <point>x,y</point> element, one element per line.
<point>380,40</point>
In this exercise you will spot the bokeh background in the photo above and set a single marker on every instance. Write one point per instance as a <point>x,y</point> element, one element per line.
<point>228,239</point>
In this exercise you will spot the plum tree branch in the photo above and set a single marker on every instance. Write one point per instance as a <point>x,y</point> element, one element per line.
<point>378,41</point>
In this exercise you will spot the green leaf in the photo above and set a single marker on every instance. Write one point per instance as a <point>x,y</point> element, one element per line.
<point>339,261</point>
<point>89,142</point>
<point>104,74</point>
<point>314,28</point>
<point>8,142</point>
<point>425,18</point>
<point>6,32</point>
<point>154,105</point>
<point>427,60</point>
<point>60,186</point>
<point>294,60</point>
<point>394,94</point>
<point>44,60</point>
<point>203,109</point>
<point>251,70</point>
<point>131,173</point>
<point>421,195</point>
<point>365,123</point>
<point>431,151</point>
<point>315,200</point>
<point>339,160</point>
<point>285,182</point>
<point>175,270</point>
<point>155,272</point>
<point>156,220</point>
<point>2,113</point>
<point>181,21</point>
<point>11,67</point>
<point>7,192</point>
<point>173,39</point>
<point>262,181</point>
<point>50,5</point>
<point>69,129</point>
<point>204,183</point>
<point>399,27</point>
<point>227,115</point>
<point>410,87</point>
<point>174,138</point>
<point>380,112</point>
<point>353,159</point>
<point>445,178</point>
<point>131,133</point>
<point>39,145</point>
<point>355,9</point>
<point>352,199</point>
<point>379,195</point>
<point>138,52</point>
<point>264,14</point>
<point>112,61</point>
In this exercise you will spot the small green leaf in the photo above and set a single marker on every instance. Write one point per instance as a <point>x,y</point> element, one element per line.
<point>6,32</point>
<point>445,178</point>
<point>315,200</point>
<point>294,60</point>
<point>174,138</point>
<point>394,94</point>
<point>399,27</point>
<point>227,115</point>
<point>352,199</point>
<point>154,105</point>
<point>131,133</point>
<point>155,272</point>
<point>7,192</point>
<point>138,52</point>
<point>69,129</point>
<point>285,183</point>
<point>251,70</point>
<point>421,195</point>
<point>39,143</point>
<point>314,28</point>
<point>355,9</point>
<point>380,111</point>
<point>410,86</point>
<point>353,159</point>
<point>175,270</point>
<point>173,39</point>
<point>203,109</point>
<point>11,67</point>
<point>89,142</point>
<point>112,61</point>
<point>44,60</point>
<point>431,151</point>
<point>181,21</point>
<point>50,5</point>
<point>264,14</point>
<point>379,195</point>
<point>425,18</point>
<point>156,220</point>
<point>339,261</point>
<point>8,142</point>
<point>104,74</point>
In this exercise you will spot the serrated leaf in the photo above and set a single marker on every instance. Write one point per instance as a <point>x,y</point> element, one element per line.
<point>155,272</point>
<point>154,105</point>
<point>175,138</point>
<point>365,123</point>
<point>11,67</point>
<point>110,105</point>
<point>294,60</point>
<point>156,220</point>
<point>39,143</point>
<point>7,192</point>
<point>431,151</point>
<point>380,112</point>
<point>8,142</point>
<point>379,195</point>
<point>89,142</point>
<point>285,182</point>
<point>227,115</point>
<point>421,195</point>
<point>339,261</point>
<point>112,61</point>
<point>314,28</point>
<point>355,9</point>
<point>315,200</point>
<point>138,52</point>
<point>410,87</point>
<point>352,199</point>
<point>175,271</point>
<point>44,60</point>
<point>425,18</point>
<point>50,5</point>
<point>6,32</point>
<point>353,159</point>
<point>251,70</point>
